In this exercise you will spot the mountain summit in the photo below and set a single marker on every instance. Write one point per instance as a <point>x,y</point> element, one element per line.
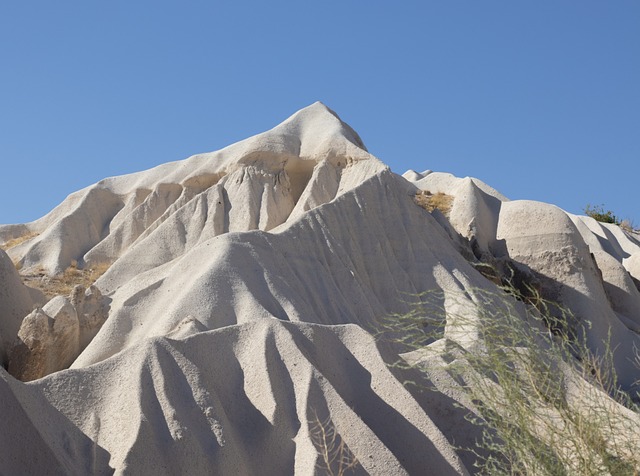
<point>257,183</point>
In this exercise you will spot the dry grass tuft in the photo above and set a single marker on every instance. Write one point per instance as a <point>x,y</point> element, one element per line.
<point>628,226</point>
<point>430,201</point>
<point>547,405</point>
<point>16,241</point>
<point>335,458</point>
<point>63,283</point>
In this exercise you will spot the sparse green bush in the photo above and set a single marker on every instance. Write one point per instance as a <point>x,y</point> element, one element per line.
<point>546,403</point>
<point>598,213</point>
<point>607,216</point>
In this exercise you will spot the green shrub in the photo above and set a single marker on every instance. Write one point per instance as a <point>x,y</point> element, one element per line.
<point>598,213</point>
<point>546,403</point>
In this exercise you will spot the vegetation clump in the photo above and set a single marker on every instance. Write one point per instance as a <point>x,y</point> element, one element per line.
<point>430,201</point>
<point>62,284</point>
<point>597,212</point>
<point>546,403</point>
<point>334,457</point>
<point>628,226</point>
<point>18,240</point>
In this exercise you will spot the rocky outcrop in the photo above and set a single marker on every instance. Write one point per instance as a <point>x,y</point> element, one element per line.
<point>259,182</point>
<point>16,301</point>
<point>241,304</point>
<point>52,337</point>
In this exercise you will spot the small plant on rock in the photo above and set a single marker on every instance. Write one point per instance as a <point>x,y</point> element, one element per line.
<point>598,213</point>
<point>431,201</point>
<point>628,226</point>
<point>547,404</point>
<point>62,284</point>
<point>18,240</point>
<point>335,458</point>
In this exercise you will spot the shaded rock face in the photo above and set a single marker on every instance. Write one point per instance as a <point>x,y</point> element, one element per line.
<point>51,338</point>
<point>16,301</point>
<point>37,439</point>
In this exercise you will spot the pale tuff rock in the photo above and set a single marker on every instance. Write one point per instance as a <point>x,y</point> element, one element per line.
<point>545,239</point>
<point>46,343</point>
<point>478,211</point>
<point>16,301</point>
<point>333,265</point>
<point>37,439</point>
<point>475,209</point>
<point>262,179</point>
<point>447,183</point>
<point>141,213</point>
<point>250,409</point>
<point>632,264</point>
<point>413,176</point>
<point>51,338</point>
<point>583,264</point>
<point>92,310</point>
<point>245,287</point>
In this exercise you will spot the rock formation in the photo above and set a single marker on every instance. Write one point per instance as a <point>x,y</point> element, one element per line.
<point>16,301</point>
<point>51,338</point>
<point>239,309</point>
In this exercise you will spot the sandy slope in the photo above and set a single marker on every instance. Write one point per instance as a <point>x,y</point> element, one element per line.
<point>243,291</point>
<point>242,400</point>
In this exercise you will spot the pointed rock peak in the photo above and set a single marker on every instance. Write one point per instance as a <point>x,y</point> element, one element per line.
<point>468,185</point>
<point>320,108</point>
<point>318,119</point>
<point>473,186</point>
<point>317,112</point>
<point>413,176</point>
<point>187,327</point>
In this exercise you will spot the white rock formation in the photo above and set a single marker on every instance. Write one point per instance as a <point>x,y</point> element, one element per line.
<point>16,301</point>
<point>245,287</point>
<point>51,338</point>
<point>580,262</point>
<point>256,184</point>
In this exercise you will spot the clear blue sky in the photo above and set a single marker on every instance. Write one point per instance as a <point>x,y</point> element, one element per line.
<point>540,99</point>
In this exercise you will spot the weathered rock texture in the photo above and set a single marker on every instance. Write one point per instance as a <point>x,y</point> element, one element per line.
<point>244,291</point>
<point>16,301</point>
<point>51,338</point>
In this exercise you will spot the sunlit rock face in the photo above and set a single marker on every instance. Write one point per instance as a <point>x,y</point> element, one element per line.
<point>242,293</point>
